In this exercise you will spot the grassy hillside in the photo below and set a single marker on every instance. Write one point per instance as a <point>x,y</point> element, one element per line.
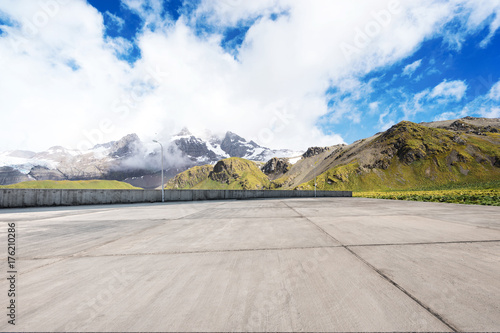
<point>411,156</point>
<point>190,178</point>
<point>74,184</point>
<point>232,173</point>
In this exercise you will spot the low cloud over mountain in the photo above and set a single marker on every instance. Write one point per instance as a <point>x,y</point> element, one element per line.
<point>130,159</point>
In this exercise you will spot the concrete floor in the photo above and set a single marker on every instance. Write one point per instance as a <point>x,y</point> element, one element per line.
<point>325,264</point>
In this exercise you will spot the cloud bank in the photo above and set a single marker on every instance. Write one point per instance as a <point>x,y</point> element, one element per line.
<point>300,67</point>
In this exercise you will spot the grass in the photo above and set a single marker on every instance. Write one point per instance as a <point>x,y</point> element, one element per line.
<point>189,178</point>
<point>73,184</point>
<point>489,197</point>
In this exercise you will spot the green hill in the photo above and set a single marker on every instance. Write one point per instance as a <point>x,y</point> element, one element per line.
<point>412,156</point>
<point>74,184</point>
<point>232,173</point>
<point>190,178</point>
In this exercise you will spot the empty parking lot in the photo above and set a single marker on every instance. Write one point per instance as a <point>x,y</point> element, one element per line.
<point>317,264</point>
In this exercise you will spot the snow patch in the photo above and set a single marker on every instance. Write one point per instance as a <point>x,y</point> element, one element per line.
<point>24,165</point>
<point>216,149</point>
<point>178,137</point>
<point>100,152</point>
<point>294,160</point>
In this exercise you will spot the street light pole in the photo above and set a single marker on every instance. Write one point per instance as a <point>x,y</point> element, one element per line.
<point>315,186</point>
<point>162,184</point>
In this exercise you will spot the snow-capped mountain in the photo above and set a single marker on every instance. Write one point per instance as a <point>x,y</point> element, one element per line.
<point>214,148</point>
<point>130,159</point>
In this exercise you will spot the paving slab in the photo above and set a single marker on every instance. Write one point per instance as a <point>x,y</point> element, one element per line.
<point>50,239</point>
<point>250,212</point>
<point>481,220</point>
<point>369,207</point>
<point>458,281</point>
<point>363,230</point>
<point>194,235</point>
<point>305,264</point>
<point>254,203</point>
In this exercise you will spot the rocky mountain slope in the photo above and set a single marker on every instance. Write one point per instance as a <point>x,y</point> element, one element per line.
<point>276,167</point>
<point>130,159</point>
<point>406,156</point>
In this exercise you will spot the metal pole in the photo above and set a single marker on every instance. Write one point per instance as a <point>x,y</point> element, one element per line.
<point>315,187</point>
<point>314,184</point>
<point>162,183</point>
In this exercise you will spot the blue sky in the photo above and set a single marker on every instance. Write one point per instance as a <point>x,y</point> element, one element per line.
<point>285,73</point>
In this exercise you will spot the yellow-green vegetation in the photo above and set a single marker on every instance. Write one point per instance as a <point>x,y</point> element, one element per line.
<point>229,174</point>
<point>413,140</point>
<point>73,184</point>
<point>489,197</point>
<point>486,147</point>
<point>278,183</point>
<point>235,174</point>
<point>190,178</point>
<point>415,157</point>
<point>400,176</point>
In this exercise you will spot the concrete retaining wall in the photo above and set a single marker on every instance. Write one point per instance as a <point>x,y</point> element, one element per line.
<point>10,198</point>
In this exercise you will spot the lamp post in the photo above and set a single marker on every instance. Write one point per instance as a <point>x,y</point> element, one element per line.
<point>162,184</point>
<point>314,183</point>
<point>315,186</point>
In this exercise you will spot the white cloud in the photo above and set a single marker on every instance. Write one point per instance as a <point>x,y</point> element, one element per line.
<point>494,93</point>
<point>118,21</point>
<point>449,89</point>
<point>383,123</point>
<point>416,104</point>
<point>493,112</point>
<point>273,93</point>
<point>453,115</point>
<point>411,68</point>
<point>44,100</point>
<point>150,11</point>
<point>493,29</point>
<point>445,116</point>
<point>428,99</point>
<point>483,9</point>
<point>483,106</point>
<point>373,107</point>
<point>232,12</point>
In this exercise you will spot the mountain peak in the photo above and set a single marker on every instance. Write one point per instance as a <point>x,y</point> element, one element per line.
<point>184,132</point>
<point>233,136</point>
<point>125,146</point>
<point>236,146</point>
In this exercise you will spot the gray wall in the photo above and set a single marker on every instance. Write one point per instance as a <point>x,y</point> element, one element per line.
<point>10,198</point>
